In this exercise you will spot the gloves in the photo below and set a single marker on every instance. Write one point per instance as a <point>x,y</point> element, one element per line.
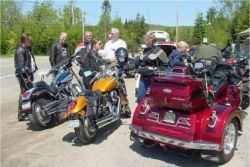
<point>146,72</point>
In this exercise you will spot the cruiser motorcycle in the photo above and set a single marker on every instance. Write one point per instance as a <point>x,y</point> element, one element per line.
<point>44,102</point>
<point>101,106</point>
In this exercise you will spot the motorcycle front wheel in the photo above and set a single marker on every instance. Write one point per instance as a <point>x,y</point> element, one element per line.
<point>38,117</point>
<point>86,132</point>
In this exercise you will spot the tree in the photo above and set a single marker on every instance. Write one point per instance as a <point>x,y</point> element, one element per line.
<point>199,29</point>
<point>105,20</point>
<point>11,29</point>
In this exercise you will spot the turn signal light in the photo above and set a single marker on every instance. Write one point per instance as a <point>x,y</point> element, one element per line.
<point>72,105</point>
<point>25,95</point>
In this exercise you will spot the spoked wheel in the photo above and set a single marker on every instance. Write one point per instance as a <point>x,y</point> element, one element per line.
<point>86,132</point>
<point>38,116</point>
<point>229,141</point>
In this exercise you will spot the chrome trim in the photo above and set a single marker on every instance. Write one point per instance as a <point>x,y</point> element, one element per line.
<point>198,144</point>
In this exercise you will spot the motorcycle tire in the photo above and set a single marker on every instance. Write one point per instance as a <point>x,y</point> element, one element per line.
<point>38,117</point>
<point>229,141</point>
<point>86,132</point>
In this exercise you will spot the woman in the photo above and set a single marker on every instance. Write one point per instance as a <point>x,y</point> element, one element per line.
<point>91,62</point>
<point>153,58</point>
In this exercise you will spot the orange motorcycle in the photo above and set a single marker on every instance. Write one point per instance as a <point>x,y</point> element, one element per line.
<point>96,108</point>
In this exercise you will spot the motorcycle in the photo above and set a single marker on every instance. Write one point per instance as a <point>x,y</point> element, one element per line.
<point>176,114</point>
<point>96,108</point>
<point>44,102</point>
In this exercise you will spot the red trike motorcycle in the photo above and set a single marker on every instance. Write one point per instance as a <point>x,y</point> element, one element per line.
<point>176,114</point>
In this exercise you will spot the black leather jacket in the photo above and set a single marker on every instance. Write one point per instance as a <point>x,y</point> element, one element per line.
<point>146,65</point>
<point>91,61</point>
<point>23,57</point>
<point>58,53</point>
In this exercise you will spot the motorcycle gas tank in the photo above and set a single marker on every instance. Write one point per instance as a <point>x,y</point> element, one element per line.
<point>62,77</point>
<point>105,84</point>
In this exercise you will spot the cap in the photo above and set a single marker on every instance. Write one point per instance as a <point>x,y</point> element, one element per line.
<point>114,30</point>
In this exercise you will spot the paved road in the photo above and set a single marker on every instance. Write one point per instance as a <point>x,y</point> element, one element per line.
<point>22,145</point>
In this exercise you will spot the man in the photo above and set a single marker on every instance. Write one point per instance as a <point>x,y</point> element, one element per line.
<point>109,53</point>
<point>25,66</point>
<point>113,44</point>
<point>86,44</point>
<point>208,52</point>
<point>153,58</point>
<point>60,50</point>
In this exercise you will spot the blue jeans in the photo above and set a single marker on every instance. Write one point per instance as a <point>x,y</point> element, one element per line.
<point>143,86</point>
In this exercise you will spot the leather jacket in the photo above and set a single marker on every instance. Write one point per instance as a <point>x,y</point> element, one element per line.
<point>58,53</point>
<point>91,61</point>
<point>146,65</point>
<point>22,57</point>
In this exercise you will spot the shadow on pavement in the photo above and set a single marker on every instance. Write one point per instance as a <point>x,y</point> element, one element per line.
<point>173,156</point>
<point>102,134</point>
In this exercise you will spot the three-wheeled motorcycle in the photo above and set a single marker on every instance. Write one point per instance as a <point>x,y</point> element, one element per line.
<point>176,114</point>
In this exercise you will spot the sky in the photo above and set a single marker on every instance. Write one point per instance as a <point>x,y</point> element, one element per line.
<point>161,12</point>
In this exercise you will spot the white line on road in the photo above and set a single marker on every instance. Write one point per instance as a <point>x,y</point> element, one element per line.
<point>39,72</point>
<point>8,76</point>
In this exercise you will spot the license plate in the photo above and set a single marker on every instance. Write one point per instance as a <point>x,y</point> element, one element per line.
<point>26,106</point>
<point>169,117</point>
<point>74,123</point>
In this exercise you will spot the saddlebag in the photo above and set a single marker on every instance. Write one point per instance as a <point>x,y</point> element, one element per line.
<point>180,93</point>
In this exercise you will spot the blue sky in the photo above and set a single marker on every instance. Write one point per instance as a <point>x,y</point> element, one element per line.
<point>161,12</point>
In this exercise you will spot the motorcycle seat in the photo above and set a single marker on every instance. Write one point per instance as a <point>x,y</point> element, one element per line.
<point>51,88</point>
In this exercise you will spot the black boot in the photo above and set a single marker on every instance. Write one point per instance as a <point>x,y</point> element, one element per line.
<point>21,116</point>
<point>126,111</point>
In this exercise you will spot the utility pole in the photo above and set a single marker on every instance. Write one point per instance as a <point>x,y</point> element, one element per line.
<point>83,20</point>
<point>177,17</point>
<point>72,13</point>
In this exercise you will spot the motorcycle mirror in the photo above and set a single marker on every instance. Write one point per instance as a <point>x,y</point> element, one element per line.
<point>198,66</point>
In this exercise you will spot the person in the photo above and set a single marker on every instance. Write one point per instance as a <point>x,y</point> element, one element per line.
<point>59,50</point>
<point>153,58</point>
<point>208,52</point>
<point>24,61</point>
<point>112,45</point>
<point>178,54</point>
<point>90,62</point>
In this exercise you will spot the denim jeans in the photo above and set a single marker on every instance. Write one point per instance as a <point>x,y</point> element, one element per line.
<point>143,86</point>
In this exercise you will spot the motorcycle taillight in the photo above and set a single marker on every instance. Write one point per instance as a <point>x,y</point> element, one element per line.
<point>72,105</point>
<point>25,95</point>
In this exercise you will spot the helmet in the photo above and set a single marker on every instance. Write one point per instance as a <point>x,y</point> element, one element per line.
<point>122,55</point>
<point>21,70</point>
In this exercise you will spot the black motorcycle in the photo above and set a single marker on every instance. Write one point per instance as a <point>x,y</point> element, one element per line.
<point>43,102</point>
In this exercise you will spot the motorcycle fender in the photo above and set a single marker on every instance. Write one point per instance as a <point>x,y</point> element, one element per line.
<point>213,130</point>
<point>81,103</point>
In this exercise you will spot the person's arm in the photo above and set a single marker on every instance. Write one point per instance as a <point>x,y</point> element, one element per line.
<point>52,56</point>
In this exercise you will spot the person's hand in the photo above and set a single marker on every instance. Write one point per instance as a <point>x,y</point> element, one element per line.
<point>113,60</point>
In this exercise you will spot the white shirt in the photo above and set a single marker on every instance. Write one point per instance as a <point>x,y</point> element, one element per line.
<point>33,65</point>
<point>110,48</point>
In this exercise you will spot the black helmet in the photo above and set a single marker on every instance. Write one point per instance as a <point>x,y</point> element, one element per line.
<point>122,55</point>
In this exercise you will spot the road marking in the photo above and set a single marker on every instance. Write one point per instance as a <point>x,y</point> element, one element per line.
<point>38,72</point>
<point>8,76</point>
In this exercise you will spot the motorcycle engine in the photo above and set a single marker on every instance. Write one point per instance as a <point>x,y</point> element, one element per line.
<point>114,95</point>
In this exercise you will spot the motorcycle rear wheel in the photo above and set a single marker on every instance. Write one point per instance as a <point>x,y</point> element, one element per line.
<point>86,132</point>
<point>230,136</point>
<point>38,117</point>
